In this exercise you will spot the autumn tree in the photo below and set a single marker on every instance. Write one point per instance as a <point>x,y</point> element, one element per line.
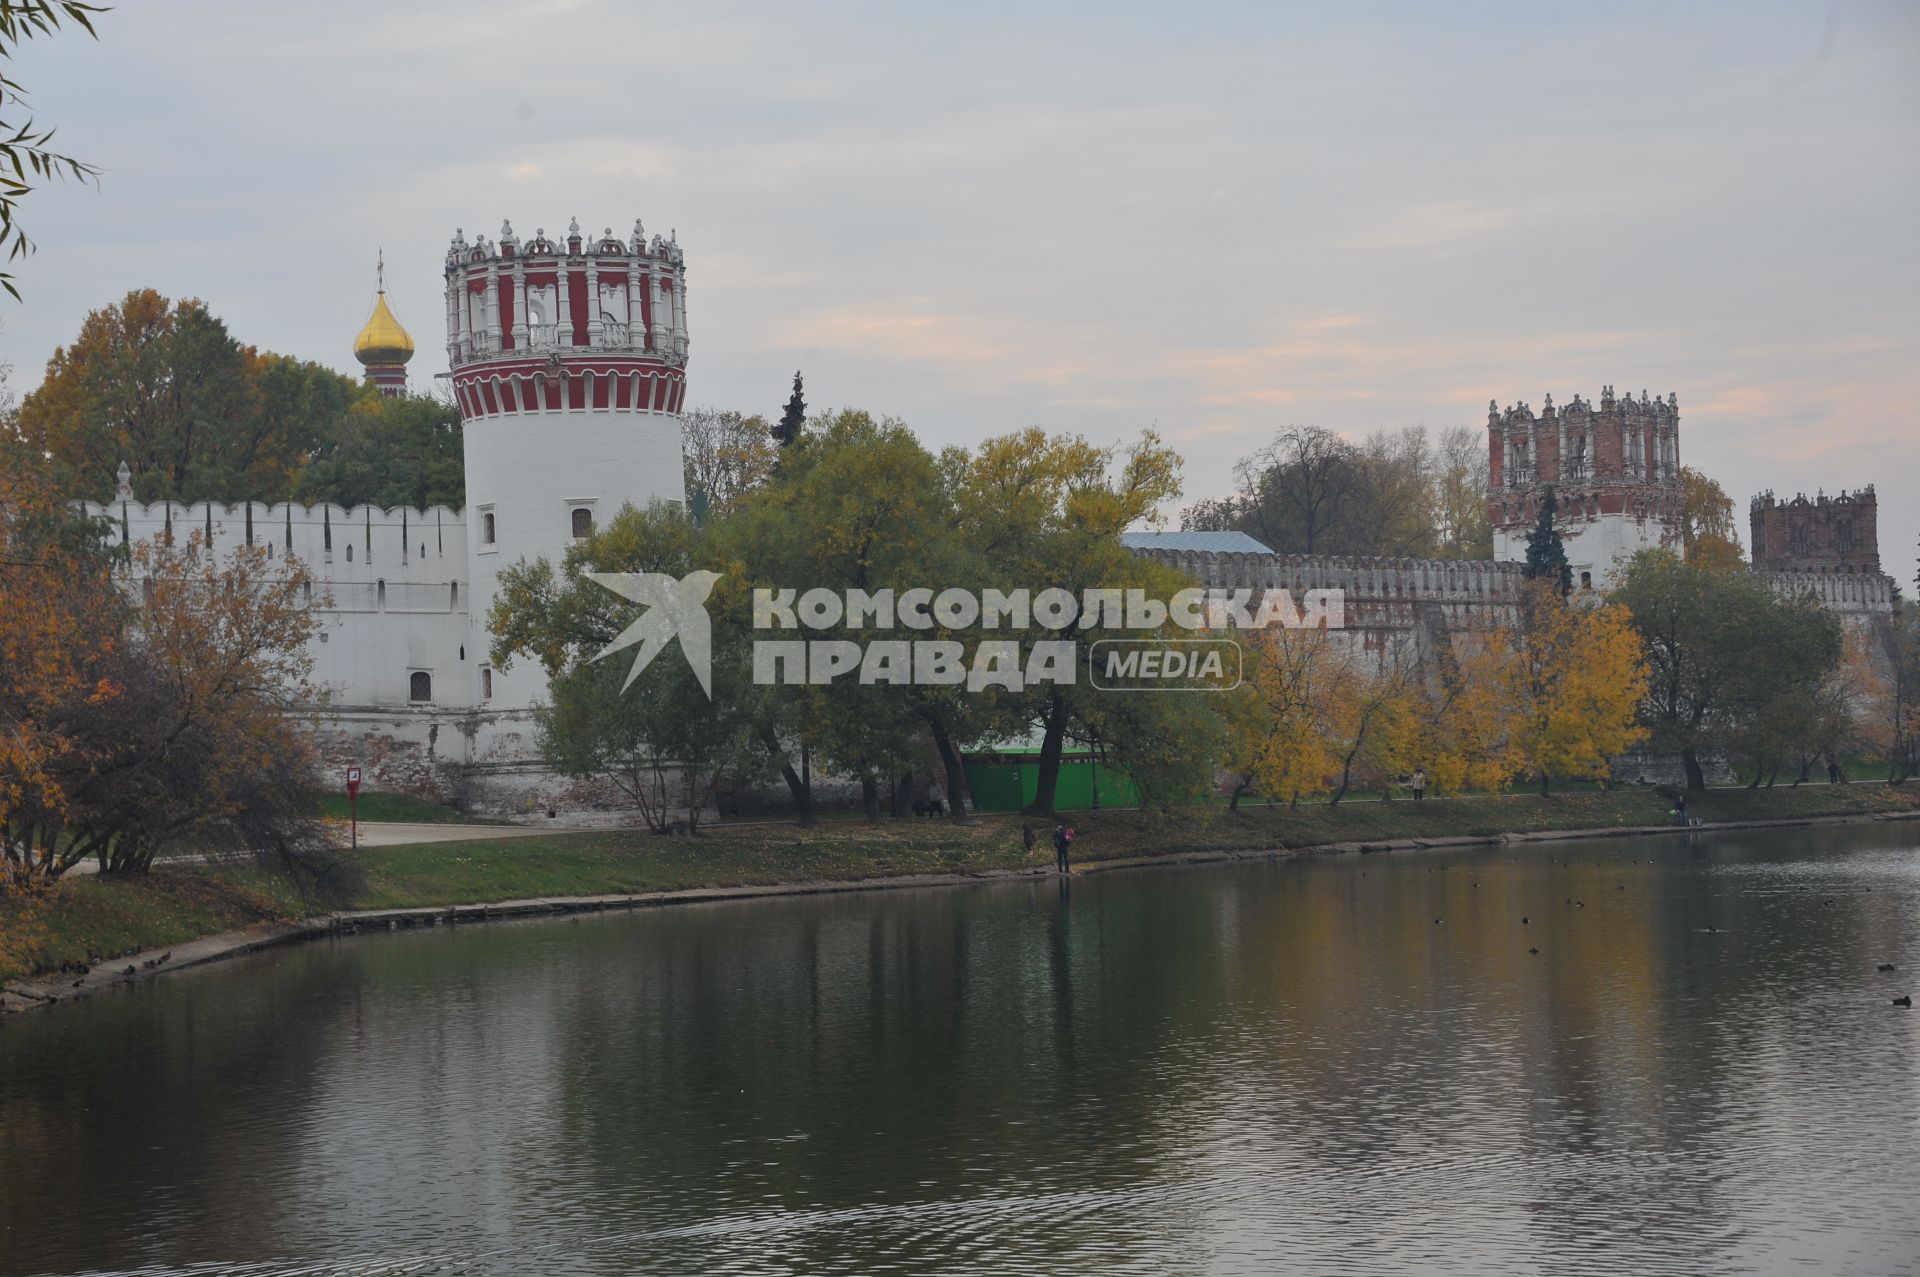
<point>1371,717</point>
<point>188,732</point>
<point>60,621</point>
<point>1277,739</point>
<point>727,455</point>
<point>1462,526</point>
<point>24,152</point>
<point>1709,531</point>
<point>1463,726</point>
<point>198,416</point>
<point>1572,678</point>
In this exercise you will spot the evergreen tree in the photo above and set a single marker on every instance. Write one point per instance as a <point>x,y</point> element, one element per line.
<point>1546,556</point>
<point>788,430</point>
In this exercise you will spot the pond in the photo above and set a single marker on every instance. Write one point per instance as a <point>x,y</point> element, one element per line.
<point>1349,1064</point>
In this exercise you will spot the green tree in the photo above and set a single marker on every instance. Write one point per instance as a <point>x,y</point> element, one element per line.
<point>793,419</point>
<point>859,505</point>
<point>24,155</point>
<point>1546,555</point>
<point>661,740</point>
<point>389,452</point>
<point>1039,512</point>
<point>1726,658</point>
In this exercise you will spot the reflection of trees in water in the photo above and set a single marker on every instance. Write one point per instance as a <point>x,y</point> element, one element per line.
<point>167,1123</point>
<point>1299,1040</point>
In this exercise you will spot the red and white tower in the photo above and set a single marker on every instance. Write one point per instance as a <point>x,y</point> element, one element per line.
<point>1614,470</point>
<point>569,365</point>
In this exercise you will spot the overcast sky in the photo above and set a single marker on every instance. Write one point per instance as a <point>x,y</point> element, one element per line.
<point>1218,219</point>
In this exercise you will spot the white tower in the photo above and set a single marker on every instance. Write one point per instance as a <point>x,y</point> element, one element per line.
<point>569,366</point>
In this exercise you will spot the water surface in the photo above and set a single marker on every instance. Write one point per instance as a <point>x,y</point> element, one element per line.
<point>1344,1065</point>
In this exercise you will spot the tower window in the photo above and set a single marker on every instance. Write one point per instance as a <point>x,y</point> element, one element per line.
<point>486,528</point>
<point>1586,580</point>
<point>420,686</point>
<point>349,554</point>
<point>582,522</point>
<point>486,683</point>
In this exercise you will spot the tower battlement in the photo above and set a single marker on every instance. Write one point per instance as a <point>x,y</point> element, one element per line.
<point>1613,466</point>
<point>580,323</point>
<point>1818,534</point>
<point>569,363</point>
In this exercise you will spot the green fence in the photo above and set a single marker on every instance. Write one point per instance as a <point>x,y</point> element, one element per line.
<point>1010,784</point>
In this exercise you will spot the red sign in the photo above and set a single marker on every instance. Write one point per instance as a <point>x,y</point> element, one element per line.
<point>353,782</point>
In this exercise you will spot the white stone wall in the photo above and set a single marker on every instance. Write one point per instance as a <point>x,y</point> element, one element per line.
<point>390,589</point>
<point>1599,545</point>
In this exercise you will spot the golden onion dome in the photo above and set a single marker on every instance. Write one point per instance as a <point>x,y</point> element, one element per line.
<point>383,340</point>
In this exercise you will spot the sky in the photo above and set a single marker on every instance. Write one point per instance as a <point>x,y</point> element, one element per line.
<point>1215,220</point>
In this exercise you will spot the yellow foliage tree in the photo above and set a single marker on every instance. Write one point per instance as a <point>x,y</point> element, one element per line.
<point>1461,718</point>
<point>1369,711</point>
<point>1572,677</point>
<point>1709,532</point>
<point>1278,738</point>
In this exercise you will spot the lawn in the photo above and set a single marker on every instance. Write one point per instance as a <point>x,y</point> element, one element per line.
<point>91,917</point>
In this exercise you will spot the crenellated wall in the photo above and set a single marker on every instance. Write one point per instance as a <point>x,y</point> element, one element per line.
<point>390,589</point>
<point>1386,595</point>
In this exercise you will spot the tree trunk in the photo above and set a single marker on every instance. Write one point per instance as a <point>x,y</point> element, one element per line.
<point>801,792</point>
<point>950,761</point>
<point>1346,777</point>
<point>901,801</point>
<point>1047,784</point>
<point>870,796</point>
<point>1246,783</point>
<point>1543,784</point>
<point>1696,779</point>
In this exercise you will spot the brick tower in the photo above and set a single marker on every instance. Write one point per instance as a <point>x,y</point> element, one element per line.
<point>1825,534</point>
<point>1614,470</point>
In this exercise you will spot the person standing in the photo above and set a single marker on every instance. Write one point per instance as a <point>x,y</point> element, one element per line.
<point>1062,844</point>
<point>1419,783</point>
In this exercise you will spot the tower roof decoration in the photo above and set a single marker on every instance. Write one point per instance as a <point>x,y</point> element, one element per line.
<point>383,341</point>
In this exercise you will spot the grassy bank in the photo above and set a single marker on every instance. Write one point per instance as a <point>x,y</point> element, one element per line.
<point>93,918</point>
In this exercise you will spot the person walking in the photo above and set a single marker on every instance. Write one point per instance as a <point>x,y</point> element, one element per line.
<point>1419,783</point>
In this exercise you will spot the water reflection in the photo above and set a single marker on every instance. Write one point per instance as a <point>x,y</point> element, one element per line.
<point>1337,1066</point>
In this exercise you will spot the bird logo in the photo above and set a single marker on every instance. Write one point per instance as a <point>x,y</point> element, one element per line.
<point>673,607</point>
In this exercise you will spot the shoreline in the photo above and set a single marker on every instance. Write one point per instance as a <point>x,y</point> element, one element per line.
<point>56,988</point>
